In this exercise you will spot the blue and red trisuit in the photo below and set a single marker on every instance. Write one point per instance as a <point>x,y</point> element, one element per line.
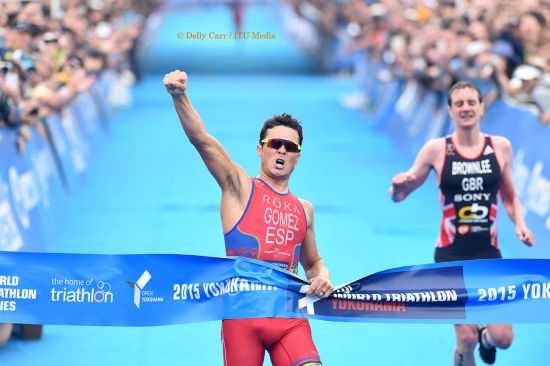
<point>272,228</point>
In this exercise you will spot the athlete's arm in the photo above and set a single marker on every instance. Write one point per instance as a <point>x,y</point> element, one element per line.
<point>404,183</point>
<point>228,174</point>
<point>314,266</point>
<point>510,201</point>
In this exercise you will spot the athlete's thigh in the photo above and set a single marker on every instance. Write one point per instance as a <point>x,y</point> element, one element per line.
<point>242,344</point>
<point>296,347</point>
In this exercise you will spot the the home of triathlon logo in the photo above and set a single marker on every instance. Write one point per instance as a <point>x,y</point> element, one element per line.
<point>100,293</point>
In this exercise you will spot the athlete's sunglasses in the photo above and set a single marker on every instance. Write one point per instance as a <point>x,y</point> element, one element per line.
<point>276,143</point>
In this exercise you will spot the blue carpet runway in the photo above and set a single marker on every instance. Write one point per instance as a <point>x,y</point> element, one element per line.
<point>148,192</point>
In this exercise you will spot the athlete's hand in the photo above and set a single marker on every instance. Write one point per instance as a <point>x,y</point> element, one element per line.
<point>525,235</point>
<point>320,286</point>
<point>175,82</point>
<point>401,186</point>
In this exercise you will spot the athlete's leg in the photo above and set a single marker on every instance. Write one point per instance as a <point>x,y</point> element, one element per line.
<point>242,343</point>
<point>295,347</point>
<point>492,337</point>
<point>466,341</point>
<point>499,335</point>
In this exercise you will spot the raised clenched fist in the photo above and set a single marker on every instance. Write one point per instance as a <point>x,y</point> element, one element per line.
<point>175,82</point>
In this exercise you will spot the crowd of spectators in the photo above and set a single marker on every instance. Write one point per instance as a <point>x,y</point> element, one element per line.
<point>51,51</point>
<point>503,45</point>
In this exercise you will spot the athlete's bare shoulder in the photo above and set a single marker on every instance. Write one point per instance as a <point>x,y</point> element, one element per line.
<point>432,151</point>
<point>308,206</point>
<point>501,142</point>
<point>503,150</point>
<point>436,143</point>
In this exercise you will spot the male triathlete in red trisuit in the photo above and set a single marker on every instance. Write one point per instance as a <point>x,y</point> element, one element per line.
<point>261,219</point>
<point>472,169</point>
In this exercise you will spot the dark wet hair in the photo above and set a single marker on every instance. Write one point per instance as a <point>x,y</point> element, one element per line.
<point>463,85</point>
<point>284,119</point>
